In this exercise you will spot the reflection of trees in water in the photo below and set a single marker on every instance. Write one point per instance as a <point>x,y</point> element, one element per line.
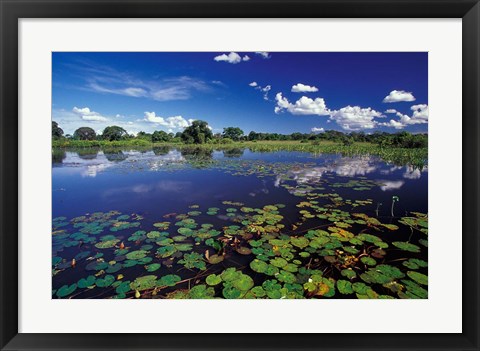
<point>87,153</point>
<point>161,150</point>
<point>197,153</point>
<point>198,157</point>
<point>114,155</point>
<point>58,155</point>
<point>236,152</point>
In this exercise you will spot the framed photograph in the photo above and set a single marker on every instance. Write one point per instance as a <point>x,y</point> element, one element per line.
<point>239,175</point>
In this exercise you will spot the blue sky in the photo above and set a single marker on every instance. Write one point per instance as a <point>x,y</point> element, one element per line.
<point>280,92</point>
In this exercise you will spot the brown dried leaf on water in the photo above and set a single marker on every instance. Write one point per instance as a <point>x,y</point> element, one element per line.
<point>330,259</point>
<point>244,250</point>
<point>378,253</point>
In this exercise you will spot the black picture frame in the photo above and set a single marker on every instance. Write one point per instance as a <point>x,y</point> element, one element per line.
<point>13,10</point>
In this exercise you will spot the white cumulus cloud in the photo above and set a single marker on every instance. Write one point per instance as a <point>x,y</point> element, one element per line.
<point>264,54</point>
<point>303,106</point>
<point>391,110</point>
<point>88,115</point>
<point>398,96</point>
<point>232,57</point>
<point>265,90</point>
<point>419,116</point>
<point>353,118</point>
<point>175,122</point>
<point>317,130</point>
<point>302,88</point>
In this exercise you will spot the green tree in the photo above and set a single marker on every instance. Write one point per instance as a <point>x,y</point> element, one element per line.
<point>253,135</point>
<point>144,136</point>
<point>197,133</point>
<point>112,133</point>
<point>84,133</point>
<point>161,136</point>
<point>57,132</point>
<point>233,133</point>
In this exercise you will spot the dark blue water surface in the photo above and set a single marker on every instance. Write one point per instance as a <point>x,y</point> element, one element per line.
<point>143,182</point>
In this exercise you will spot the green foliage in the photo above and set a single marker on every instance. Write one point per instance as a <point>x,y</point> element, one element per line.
<point>57,132</point>
<point>161,136</point>
<point>197,133</point>
<point>114,133</point>
<point>233,133</point>
<point>84,133</point>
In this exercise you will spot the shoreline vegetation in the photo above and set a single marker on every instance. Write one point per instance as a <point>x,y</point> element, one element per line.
<point>398,148</point>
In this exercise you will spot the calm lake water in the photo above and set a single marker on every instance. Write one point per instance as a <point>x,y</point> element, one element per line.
<point>224,191</point>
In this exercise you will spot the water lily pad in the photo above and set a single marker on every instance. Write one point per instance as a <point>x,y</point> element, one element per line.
<point>418,277</point>
<point>326,287</point>
<point>123,288</point>
<point>368,261</point>
<point>114,268</point>
<point>243,282</point>
<point>348,273</point>
<point>258,292</point>
<point>382,274</point>
<point>300,242</point>
<point>105,282</point>
<point>130,263</point>
<point>230,292</point>
<point>406,246</point>
<point>213,279</point>
<point>244,251</point>
<point>278,262</point>
<point>344,287</point>
<point>415,263</point>
<point>154,234</point>
<point>168,280</point>
<point>106,244</point>
<point>144,283</point>
<point>215,259</point>
<point>193,260</point>
<point>135,255</point>
<point>201,292</point>
<point>166,251</point>
<point>153,267</point>
<point>360,288</point>
<point>185,231</point>
<point>96,266</point>
<point>229,274</point>
<point>286,277</point>
<point>86,282</point>
<point>66,290</point>
<point>413,291</point>
<point>162,225</point>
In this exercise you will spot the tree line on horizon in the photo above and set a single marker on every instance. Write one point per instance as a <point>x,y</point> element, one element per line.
<point>200,133</point>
